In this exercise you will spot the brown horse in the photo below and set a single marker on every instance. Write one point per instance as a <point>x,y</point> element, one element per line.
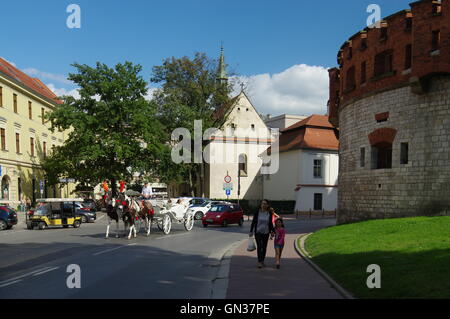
<point>130,214</point>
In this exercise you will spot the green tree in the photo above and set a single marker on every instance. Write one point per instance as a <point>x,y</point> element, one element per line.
<point>112,129</point>
<point>189,91</point>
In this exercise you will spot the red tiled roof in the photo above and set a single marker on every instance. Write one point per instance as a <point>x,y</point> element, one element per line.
<point>313,120</point>
<point>33,84</point>
<point>313,132</point>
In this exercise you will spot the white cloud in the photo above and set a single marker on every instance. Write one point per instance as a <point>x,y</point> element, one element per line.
<point>299,90</point>
<point>150,92</point>
<point>49,76</point>
<point>62,91</point>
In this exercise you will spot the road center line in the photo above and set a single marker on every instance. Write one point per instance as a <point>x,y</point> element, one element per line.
<point>29,274</point>
<point>45,271</point>
<point>112,249</point>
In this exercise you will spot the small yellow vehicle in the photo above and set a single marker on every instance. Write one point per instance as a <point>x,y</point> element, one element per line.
<point>52,212</point>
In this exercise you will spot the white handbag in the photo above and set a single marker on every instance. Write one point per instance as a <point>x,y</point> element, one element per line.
<point>251,245</point>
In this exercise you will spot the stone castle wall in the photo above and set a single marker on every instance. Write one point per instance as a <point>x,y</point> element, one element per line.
<point>420,187</point>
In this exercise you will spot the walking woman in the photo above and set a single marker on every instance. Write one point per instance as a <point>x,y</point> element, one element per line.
<point>262,228</point>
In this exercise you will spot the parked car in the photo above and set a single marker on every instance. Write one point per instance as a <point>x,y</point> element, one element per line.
<point>8,217</point>
<point>83,211</point>
<point>224,215</point>
<point>92,204</point>
<point>200,210</point>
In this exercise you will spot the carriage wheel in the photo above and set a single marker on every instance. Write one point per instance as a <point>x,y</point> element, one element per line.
<point>166,224</point>
<point>189,223</point>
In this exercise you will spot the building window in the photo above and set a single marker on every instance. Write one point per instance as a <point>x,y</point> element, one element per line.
<point>32,146</point>
<point>404,153</point>
<point>43,115</point>
<point>382,155</point>
<point>15,102</point>
<point>17,143</point>
<point>408,24</point>
<point>363,72</point>
<point>350,53</point>
<point>351,83</point>
<point>436,40</point>
<point>1,96</point>
<point>408,57</point>
<point>3,138</point>
<point>362,160</point>
<point>437,9</point>
<point>383,33</point>
<point>30,110</point>
<point>318,201</point>
<point>253,126</point>
<point>383,63</point>
<point>243,165</point>
<point>363,44</point>
<point>317,168</point>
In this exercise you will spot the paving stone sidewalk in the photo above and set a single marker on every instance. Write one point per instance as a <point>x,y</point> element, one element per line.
<point>295,280</point>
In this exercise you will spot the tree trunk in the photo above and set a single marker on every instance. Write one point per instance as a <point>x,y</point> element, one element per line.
<point>202,179</point>
<point>191,186</point>
<point>114,187</point>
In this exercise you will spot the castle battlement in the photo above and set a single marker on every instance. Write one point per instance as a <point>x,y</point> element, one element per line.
<point>409,48</point>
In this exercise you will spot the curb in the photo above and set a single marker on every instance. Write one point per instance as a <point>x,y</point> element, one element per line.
<point>307,257</point>
<point>220,282</point>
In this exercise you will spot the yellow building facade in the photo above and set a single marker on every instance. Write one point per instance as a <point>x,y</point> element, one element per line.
<point>25,138</point>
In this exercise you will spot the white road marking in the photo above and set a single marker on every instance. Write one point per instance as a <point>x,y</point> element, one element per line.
<point>29,274</point>
<point>172,236</point>
<point>10,283</point>
<point>112,249</point>
<point>45,271</point>
<point>100,217</point>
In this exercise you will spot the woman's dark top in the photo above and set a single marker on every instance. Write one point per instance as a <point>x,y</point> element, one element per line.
<point>254,225</point>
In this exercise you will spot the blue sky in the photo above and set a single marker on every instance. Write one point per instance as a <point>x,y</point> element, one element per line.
<point>260,37</point>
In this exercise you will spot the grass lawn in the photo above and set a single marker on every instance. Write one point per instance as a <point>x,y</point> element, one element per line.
<point>413,253</point>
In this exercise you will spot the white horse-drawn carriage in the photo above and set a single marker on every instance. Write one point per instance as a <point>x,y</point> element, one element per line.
<point>171,211</point>
<point>146,213</point>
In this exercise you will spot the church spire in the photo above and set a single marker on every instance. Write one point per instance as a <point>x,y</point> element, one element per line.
<point>222,76</point>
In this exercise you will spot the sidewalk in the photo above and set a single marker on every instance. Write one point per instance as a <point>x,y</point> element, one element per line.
<point>295,280</point>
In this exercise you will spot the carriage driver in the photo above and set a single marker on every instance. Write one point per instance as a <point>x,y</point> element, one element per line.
<point>147,191</point>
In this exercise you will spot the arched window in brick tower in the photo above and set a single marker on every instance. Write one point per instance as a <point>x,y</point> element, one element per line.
<point>381,141</point>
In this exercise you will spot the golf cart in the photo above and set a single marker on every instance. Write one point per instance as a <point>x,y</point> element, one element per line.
<point>51,212</point>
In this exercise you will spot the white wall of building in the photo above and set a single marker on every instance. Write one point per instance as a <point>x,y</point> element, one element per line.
<point>330,171</point>
<point>281,186</point>
<point>223,156</point>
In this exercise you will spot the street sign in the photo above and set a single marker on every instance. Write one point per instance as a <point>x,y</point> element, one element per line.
<point>227,186</point>
<point>228,192</point>
<point>227,179</point>
<point>67,180</point>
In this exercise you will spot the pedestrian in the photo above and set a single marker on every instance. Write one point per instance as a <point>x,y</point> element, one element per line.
<point>262,228</point>
<point>28,203</point>
<point>279,235</point>
<point>147,191</point>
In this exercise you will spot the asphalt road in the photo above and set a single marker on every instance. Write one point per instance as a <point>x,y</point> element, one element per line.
<point>181,265</point>
<point>33,263</point>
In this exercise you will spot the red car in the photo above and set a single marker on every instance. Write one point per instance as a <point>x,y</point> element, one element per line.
<point>224,214</point>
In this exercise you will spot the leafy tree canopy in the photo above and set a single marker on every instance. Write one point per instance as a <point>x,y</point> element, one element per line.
<point>112,131</point>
